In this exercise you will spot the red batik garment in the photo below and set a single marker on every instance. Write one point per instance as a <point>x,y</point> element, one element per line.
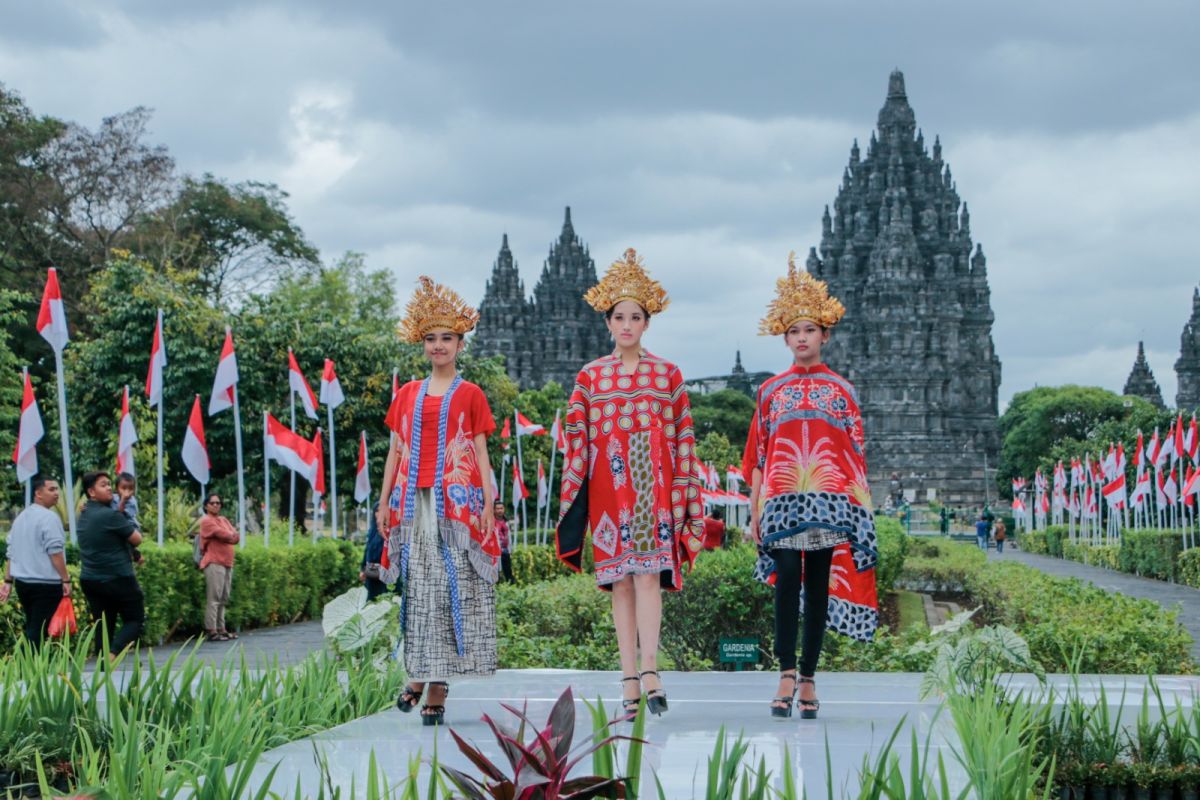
<point>628,475</point>
<point>806,439</point>
<point>462,414</point>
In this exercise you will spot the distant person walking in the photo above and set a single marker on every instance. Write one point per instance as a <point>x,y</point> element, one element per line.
<point>503,537</point>
<point>107,542</point>
<point>999,533</point>
<point>981,532</point>
<point>37,565</point>
<point>217,540</point>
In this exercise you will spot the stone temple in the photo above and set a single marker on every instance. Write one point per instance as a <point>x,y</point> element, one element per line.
<point>1187,368</point>
<point>917,336</point>
<point>1141,381</point>
<point>550,337</point>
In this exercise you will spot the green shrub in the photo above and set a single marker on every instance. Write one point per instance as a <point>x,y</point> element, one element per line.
<point>1189,567</point>
<point>1151,553</point>
<point>893,549</point>
<point>565,622</point>
<point>1107,556</point>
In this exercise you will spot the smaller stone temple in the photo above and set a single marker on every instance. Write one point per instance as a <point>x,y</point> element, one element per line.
<point>1141,381</point>
<point>1187,368</point>
<point>738,379</point>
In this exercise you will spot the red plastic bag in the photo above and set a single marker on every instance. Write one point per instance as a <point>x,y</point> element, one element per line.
<point>63,621</point>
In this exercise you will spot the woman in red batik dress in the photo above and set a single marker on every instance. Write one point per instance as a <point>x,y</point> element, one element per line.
<point>810,503</point>
<point>628,476</point>
<point>438,510</point>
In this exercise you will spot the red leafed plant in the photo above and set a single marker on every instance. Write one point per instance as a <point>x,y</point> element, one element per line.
<point>541,767</point>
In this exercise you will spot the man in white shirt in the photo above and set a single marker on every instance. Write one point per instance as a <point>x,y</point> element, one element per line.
<point>37,564</point>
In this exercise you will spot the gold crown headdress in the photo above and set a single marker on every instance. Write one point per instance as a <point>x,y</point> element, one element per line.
<point>627,279</point>
<point>435,306</point>
<point>799,296</point>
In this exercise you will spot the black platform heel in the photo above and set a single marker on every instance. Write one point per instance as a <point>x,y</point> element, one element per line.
<point>435,715</point>
<point>808,708</point>
<point>630,706</point>
<point>656,699</point>
<point>409,698</point>
<point>785,711</point>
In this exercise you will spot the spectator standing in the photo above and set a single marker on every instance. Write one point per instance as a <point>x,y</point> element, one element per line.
<point>981,532</point>
<point>714,530</point>
<point>217,540</point>
<point>372,568</point>
<point>999,533</point>
<point>502,536</point>
<point>107,539</point>
<point>37,564</point>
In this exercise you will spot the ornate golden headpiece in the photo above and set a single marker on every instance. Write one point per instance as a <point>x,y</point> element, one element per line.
<point>799,296</point>
<point>435,306</point>
<point>627,279</point>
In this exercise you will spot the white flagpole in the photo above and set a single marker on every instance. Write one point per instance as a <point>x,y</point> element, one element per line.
<point>162,392</point>
<point>292,492</point>
<point>521,471</point>
<point>29,480</point>
<point>550,478</point>
<point>68,479</point>
<point>237,440</point>
<point>333,531</point>
<point>266,487</point>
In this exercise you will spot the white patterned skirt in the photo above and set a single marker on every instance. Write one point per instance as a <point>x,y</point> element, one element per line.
<point>815,538</point>
<point>449,610</point>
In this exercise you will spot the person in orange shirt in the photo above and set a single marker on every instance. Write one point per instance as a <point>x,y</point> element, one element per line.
<point>217,540</point>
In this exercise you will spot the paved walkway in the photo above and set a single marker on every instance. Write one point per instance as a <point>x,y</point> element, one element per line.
<point>1172,596</point>
<point>289,643</point>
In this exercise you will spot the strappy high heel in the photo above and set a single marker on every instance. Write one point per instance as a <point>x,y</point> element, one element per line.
<point>785,711</point>
<point>435,715</point>
<point>409,698</point>
<point>808,708</point>
<point>656,699</point>
<point>630,705</point>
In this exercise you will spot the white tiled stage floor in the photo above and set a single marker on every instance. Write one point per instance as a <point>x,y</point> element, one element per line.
<point>858,713</point>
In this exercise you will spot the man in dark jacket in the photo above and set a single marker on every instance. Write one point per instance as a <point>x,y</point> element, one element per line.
<point>372,556</point>
<point>107,542</point>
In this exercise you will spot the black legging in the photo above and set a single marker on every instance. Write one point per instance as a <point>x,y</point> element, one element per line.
<point>789,564</point>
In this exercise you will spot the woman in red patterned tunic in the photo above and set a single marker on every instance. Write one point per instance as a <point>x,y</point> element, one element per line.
<point>437,513</point>
<point>810,504</point>
<point>628,475</point>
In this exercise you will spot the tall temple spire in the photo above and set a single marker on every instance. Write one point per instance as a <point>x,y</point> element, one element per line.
<point>917,336</point>
<point>1187,368</point>
<point>1141,381</point>
<point>503,327</point>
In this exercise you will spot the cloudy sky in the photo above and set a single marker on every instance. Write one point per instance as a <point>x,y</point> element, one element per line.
<point>709,135</point>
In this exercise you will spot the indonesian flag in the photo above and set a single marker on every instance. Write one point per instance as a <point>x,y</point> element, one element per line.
<point>225,381</point>
<point>505,433</point>
<point>1179,447</point>
<point>1139,457</point>
<point>732,476</point>
<point>1110,463</point>
<point>1160,492</point>
<point>1141,491</point>
<point>1089,503</point>
<point>527,428</point>
<point>195,450</point>
<point>1171,489</point>
<point>1121,457</point>
<point>556,433</point>
<point>52,317</point>
<point>319,484</point>
<point>714,480</point>
<point>543,496</point>
<point>495,486</point>
<point>158,360</point>
<point>126,438</point>
<point>1044,506</point>
<point>1114,491</point>
<point>331,388</point>
<point>1191,441</point>
<point>519,490</point>
<point>299,386</point>
<point>1154,450</point>
<point>29,432</point>
<point>362,481</point>
<point>286,447</point>
<point>1192,485</point>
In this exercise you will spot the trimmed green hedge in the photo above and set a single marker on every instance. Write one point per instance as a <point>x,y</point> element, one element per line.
<point>1151,553</point>
<point>1061,618</point>
<point>270,587</point>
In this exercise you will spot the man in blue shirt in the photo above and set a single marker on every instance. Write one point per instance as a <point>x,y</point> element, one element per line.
<point>981,531</point>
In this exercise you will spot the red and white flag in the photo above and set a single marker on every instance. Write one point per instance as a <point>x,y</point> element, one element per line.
<point>1139,457</point>
<point>1141,491</point>
<point>29,432</point>
<point>158,360</point>
<point>1179,449</point>
<point>362,480</point>
<point>225,381</point>
<point>319,485</point>
<point>543,495</point>
<point>1114,491</point>
<point>195,449</point>
<point>1191,486</point>
<point>1191,441</point>
<point>732,476</point>
<point>126,437</point>
<point>52,316</point>
<point>527,428</point>
<point>299,386</point>
<point>1160,493</point>
<point>556,433</point>
<point>1154,450</point>
<point>290,449</point>
<point>331,388</point>
<point>1171,489</point>
<point>519,490</point>
<point>505,433</point>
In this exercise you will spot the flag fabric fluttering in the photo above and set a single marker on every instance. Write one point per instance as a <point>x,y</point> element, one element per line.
<point>225,381</point>
<point>518,485</point>
<point>331,388</point>
<point>195,449</point>
<point>126,437</point>
<point>362,478</point>
<point>52,316</point>
<point>298,385</point>
<point>556,433</point>
<point>319,479</point>
<point>158,360</point>
<point>543,494</point>
<point>29,432</point>
<point>505,433</point>
<point>286,447</point>
<point>527,428</point>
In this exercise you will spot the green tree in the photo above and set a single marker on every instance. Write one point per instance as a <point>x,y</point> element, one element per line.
<point>727,412</point>
<point>715,449</point>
